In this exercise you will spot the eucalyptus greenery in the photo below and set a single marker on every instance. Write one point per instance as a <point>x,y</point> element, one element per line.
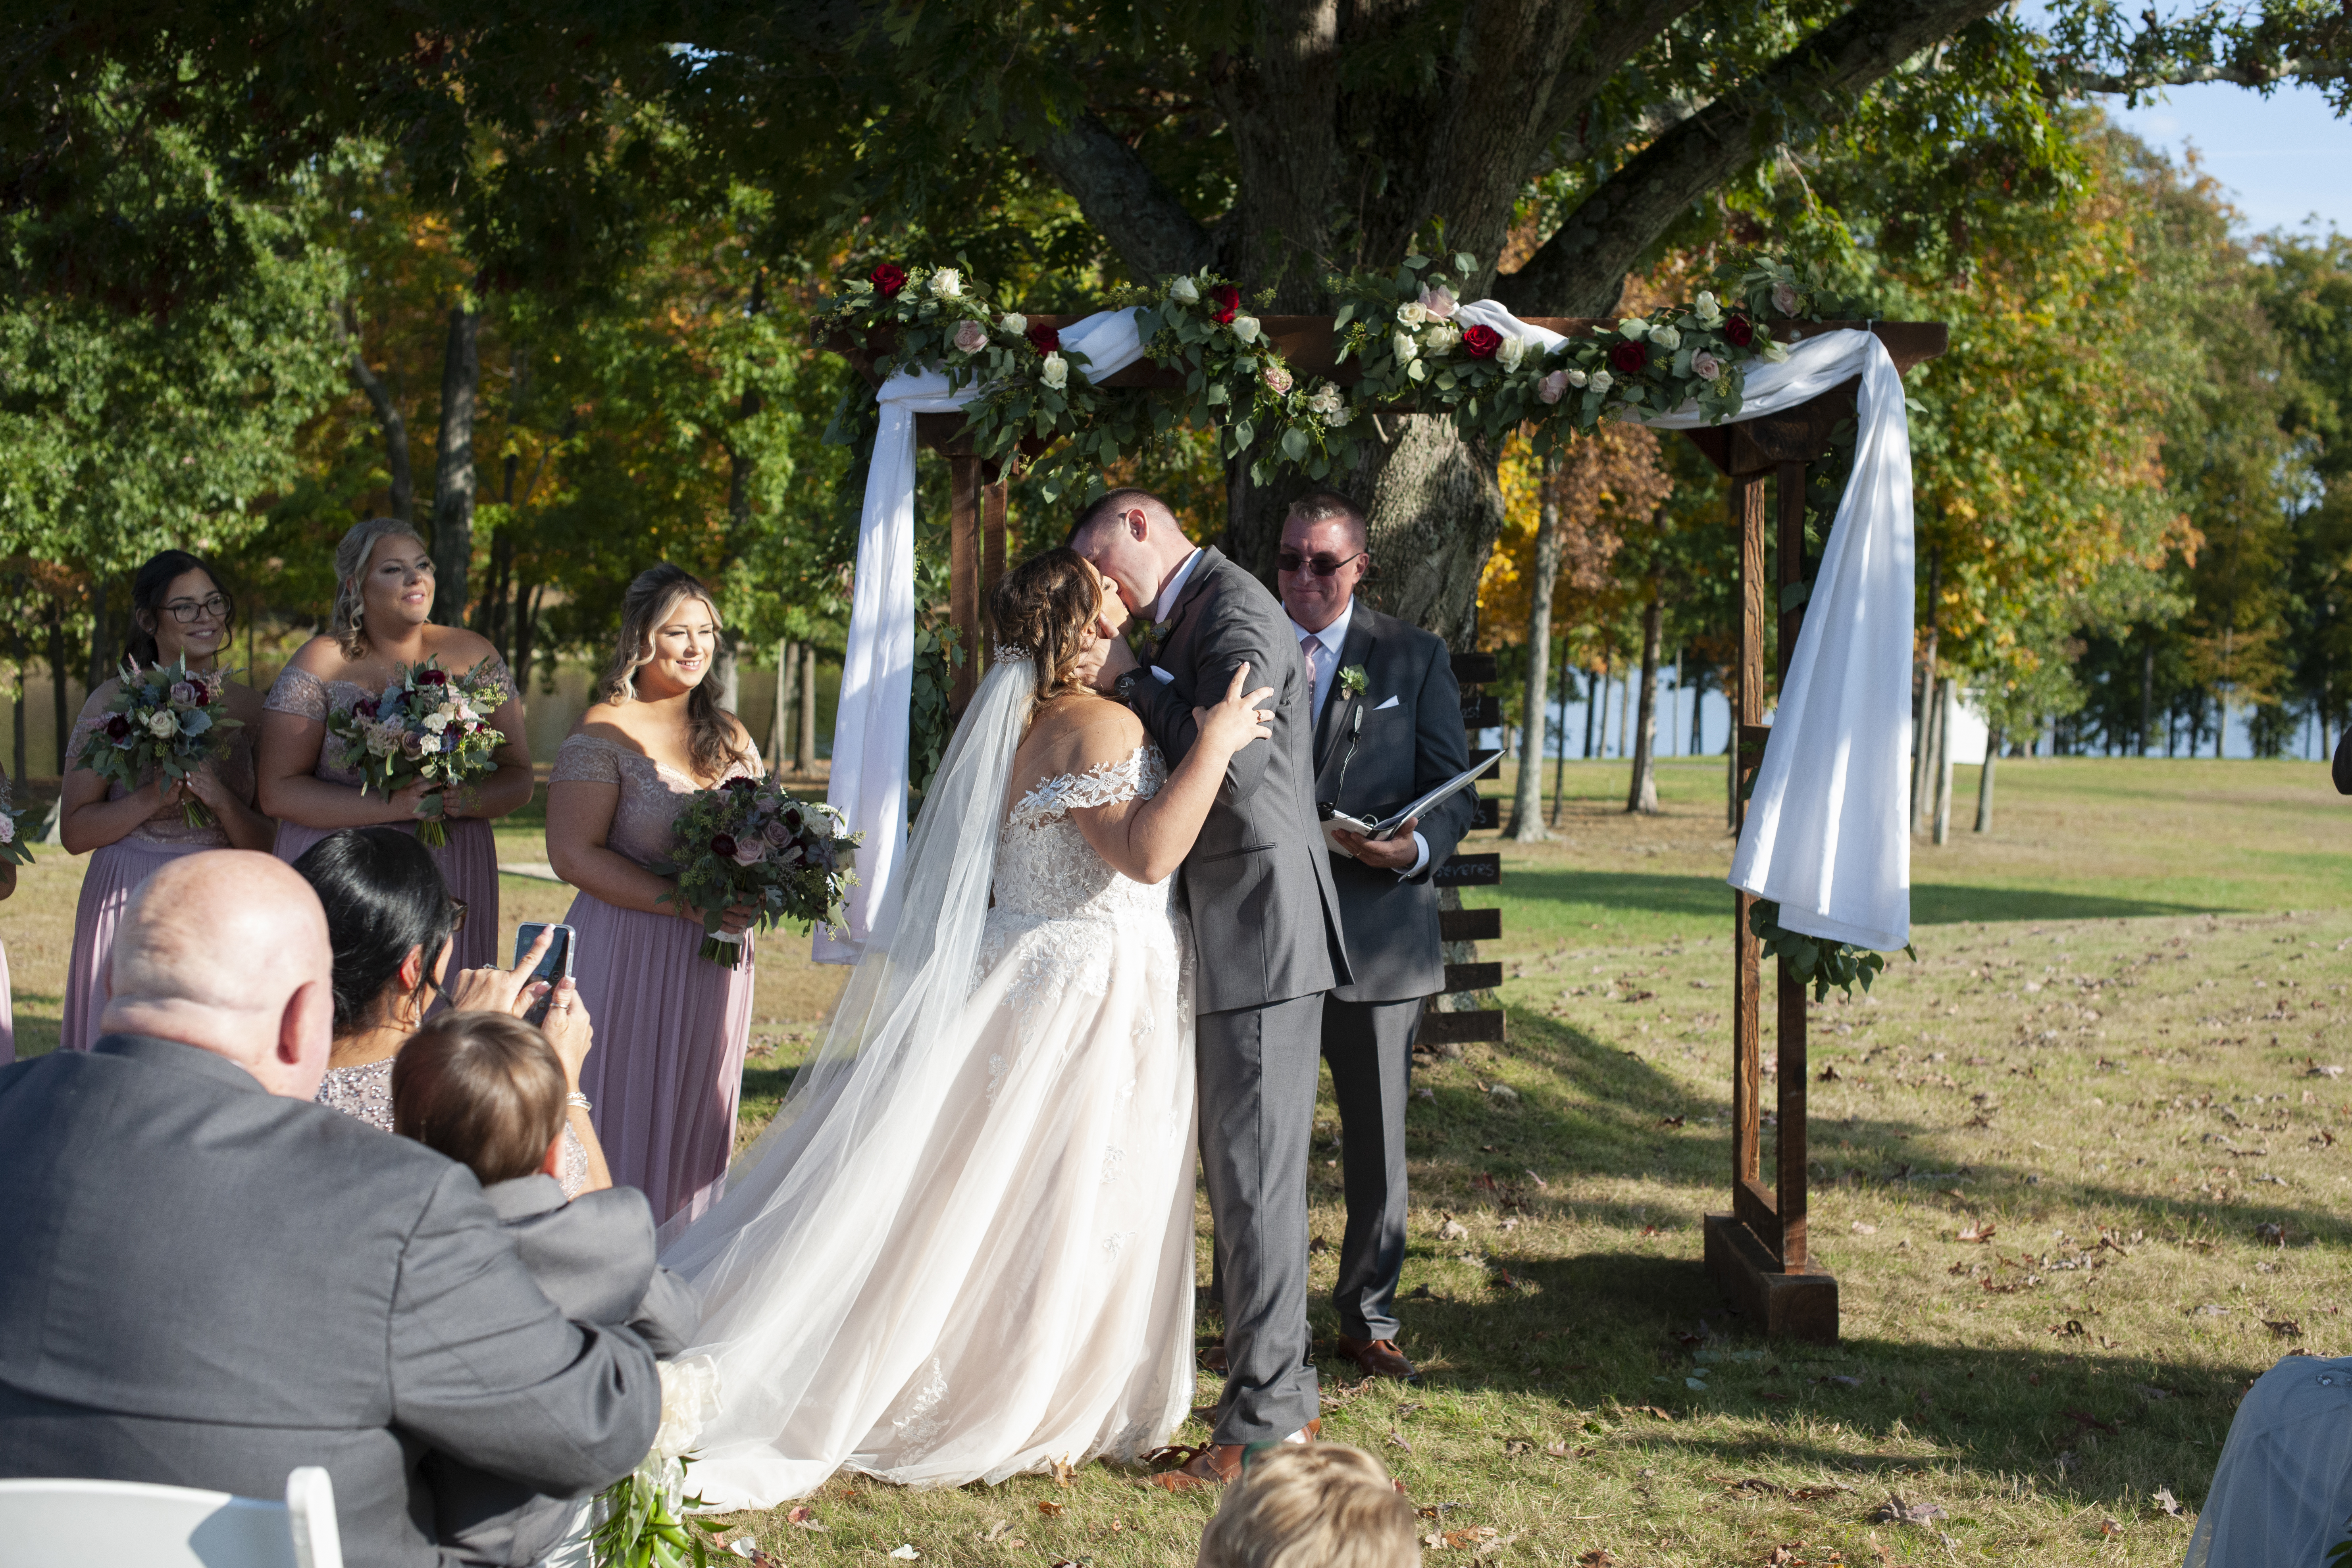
<point>1814,958</point>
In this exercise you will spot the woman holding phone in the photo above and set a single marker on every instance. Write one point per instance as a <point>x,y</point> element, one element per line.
<point>668,1069</point>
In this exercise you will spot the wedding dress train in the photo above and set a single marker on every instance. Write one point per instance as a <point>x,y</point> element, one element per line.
<point>965,1251</point>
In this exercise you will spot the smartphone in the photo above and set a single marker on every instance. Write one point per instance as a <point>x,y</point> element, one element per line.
<point>554,965</point>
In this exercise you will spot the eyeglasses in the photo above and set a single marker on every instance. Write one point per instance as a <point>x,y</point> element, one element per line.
<point>457,916</point>
<point>1322,566</point>
<point>217,606</point>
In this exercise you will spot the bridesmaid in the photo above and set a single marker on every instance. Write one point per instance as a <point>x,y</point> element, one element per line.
<point>381,618</point>
<point>671,1027</point>
<point>178,609</point>
<point>8,887</point>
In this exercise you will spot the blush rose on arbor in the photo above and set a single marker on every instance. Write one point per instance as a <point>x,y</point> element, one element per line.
<point>750,841</point>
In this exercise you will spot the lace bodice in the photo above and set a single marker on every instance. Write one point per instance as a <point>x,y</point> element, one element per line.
<point>652,793</point>
<point>170,823</point>
<point>304,695</point>
<point>364,1093</point>
<point>1045,867</point>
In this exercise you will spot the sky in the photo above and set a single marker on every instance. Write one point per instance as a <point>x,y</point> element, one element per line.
<point>2283,158</point>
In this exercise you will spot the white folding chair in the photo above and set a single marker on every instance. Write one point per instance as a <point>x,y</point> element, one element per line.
<point>64,1523</point>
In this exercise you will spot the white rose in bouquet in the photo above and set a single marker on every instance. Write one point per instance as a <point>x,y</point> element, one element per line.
<point>162,725</point>
<point>1185,292</point>
<point>947,283</point>
<point>1054,372</point>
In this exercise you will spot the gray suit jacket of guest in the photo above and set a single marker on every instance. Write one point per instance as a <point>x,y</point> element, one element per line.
<point>1400,752</point>
<point>206,1285</point>
<point>593,1258</point>
<point>1266,916</point>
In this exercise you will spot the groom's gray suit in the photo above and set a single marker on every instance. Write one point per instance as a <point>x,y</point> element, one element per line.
<point>1266,936</point>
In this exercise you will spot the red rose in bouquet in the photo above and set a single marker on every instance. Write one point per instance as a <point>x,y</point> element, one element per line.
<point>1228,302</point>
<point>1044,340</point>
<point>1481,341</point>
<point>1738,331</point>
<point>887,279</point>
<point>1627,357</point>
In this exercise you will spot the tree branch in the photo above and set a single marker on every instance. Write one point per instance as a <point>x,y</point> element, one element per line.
<point>1611,35</point>
<point>387,416</point>
<point>2245,73</point>
<point>1125,202</point>
<point>1580,270</point>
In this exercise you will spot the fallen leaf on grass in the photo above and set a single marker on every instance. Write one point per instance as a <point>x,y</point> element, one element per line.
<point>1451,1229</point>
<point>1653,1410</point>
<point>905,1552</point>
<point>803,1517</point>
<point>1518,1445</point>
<point>1050,1509</point>
<point>2169,1505</point>
<point>2085,1418</point>
<point>1484,1181</point>
<point>1599,1557</point>
<point>2150,1392</point>
<point>1862,1227</point>
<point>1895,1510</point>
<point>2271,1235</point>
<point>1397,1439</point>
<point>1562,1451</point>
<point>997,1531</point>
<point>1541,1185</point>
<point>1670,1120</point>
<point>2284,1329</point>
<point>1816,1494</point>
<point>1976,1233</point>
<point>2109,1528</point>
<point>2070,1329</point>
<point>1316,1243</point>
<point>1066,1474</point>
<point>1883,1555</point>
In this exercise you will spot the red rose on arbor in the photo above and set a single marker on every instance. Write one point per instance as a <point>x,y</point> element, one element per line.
<point>887,279</point>
<point>1228,301</point>
<point>1044,340</point>
<point>1627,357</point>
<point>1738,331</point>
<point>1480,342</point>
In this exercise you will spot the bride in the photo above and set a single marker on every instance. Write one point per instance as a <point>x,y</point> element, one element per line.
<point>964,1249</point>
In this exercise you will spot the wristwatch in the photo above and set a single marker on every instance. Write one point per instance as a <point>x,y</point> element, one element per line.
<point>1124,686</point>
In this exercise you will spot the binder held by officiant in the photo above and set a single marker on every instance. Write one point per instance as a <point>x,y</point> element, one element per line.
<point>1336,822</point>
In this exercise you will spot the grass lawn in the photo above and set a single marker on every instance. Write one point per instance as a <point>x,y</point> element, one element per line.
<point>2110,1067</point>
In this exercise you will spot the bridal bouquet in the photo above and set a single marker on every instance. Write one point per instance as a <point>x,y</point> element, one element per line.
<point>750,842</point>
<point>644,1513</point>
<point>164,723</point>
<point>426,725</point>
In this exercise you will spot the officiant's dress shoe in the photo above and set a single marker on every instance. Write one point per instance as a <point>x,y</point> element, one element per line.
<point>1378,1357</point>
<point>1217,1464</point>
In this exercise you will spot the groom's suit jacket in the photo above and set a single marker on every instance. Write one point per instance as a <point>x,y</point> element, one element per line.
<point>1376,754</point>
<point>1266,916</point>
<point>206,1285</point>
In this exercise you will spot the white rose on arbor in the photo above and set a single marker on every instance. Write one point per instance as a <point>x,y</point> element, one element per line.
<point>1405,349</point>
<point>1666,338</point>
<point>1774,353</point>
<point>970,336</point>
<point>1602,381</point>
<point>1012,323</point>
<point>1439,337</point>
<point>1553,387</point>
<point>1577,378</point>
<point>1412,313</point>
<point>947,283</point>
<point>1245,328</point>
<point>1054,372</point>
<point>1510,351</point>
<point>1185,292</point>
<point>1709,309</point>
<point>1438,300</point>
<point>1785,299</point>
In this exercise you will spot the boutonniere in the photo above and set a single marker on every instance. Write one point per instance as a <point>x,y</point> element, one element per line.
<point>1353,680</point>
<point>1144,640</point>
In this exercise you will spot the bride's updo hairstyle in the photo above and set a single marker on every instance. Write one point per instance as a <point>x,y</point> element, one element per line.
<point>646,609</point>
<point>1042,608</point>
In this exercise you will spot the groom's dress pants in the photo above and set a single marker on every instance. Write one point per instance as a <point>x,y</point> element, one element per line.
<point>1258,1069</point>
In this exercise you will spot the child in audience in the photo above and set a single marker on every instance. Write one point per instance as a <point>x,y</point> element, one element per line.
<point>1320,1505</point>
<point>486,1090</point>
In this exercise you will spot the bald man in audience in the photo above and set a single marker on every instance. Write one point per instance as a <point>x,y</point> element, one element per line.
<point>206,1280</point>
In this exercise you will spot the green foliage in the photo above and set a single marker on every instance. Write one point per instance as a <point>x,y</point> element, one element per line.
<point>937,658</point>
<point>1814,960</point>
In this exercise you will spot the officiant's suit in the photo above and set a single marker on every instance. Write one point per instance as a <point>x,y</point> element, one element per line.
<point>1268,944</point>
<point>1376,751</point>
<point>206,1285</point>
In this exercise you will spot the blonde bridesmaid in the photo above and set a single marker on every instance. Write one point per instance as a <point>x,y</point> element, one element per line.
<point>666,1069</point>
<point>382,619</point>
<point>178,610</point>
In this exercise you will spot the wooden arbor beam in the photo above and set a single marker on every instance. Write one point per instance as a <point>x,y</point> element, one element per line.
<point>1759,1252</point>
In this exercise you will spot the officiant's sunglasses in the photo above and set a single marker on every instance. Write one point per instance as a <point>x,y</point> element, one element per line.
<point>1321,565</point>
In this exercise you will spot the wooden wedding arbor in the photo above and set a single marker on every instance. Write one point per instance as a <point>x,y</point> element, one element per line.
<point>1758,1253</point>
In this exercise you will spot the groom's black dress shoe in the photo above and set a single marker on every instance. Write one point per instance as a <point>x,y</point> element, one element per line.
<point>1378,1357</point>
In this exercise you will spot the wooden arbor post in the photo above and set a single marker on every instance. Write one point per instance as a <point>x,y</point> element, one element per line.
<point>1757,1253</point>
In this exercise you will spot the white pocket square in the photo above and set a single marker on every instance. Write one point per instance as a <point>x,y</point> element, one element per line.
<point>1386,706</point>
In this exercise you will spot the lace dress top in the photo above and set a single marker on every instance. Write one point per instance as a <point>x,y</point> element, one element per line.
<point>1045,869</point>
<point>304,695</point>
<point>652,793</point>
<point>170,823</point>
<point>364,1093</point>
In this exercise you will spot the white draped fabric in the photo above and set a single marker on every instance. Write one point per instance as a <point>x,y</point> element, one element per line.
<point>1827,835</point>
<point>878,670</point>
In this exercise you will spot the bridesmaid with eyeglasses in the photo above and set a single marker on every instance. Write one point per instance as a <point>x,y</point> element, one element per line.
<point>178,610</point>
<point>384,619</point>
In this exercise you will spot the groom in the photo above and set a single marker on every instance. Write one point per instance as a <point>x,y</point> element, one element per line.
<point>1266,936</point>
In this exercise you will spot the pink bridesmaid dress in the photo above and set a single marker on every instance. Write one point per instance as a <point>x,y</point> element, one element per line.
<point>666,1069</point>
<point>116,870</point>
<point>469,862</point>
<point>7,1006</point>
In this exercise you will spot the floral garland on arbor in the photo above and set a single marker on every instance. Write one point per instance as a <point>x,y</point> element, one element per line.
<point>1405,327</point>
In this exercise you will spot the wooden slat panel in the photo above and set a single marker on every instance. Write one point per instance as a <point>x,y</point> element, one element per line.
<point>1472,668</point>
<point>1489,812</point>
<point>1756,1210</point>
<point>1482,712</point>
<point>1469,871</point>
<point>1789,1193</point>
<point>1469,925</point>
<point>1472,977</point>
<point>964,555</point>
<point>1458,1029</point>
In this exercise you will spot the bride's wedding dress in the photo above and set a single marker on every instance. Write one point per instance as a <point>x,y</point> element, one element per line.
<point>964,1250</point>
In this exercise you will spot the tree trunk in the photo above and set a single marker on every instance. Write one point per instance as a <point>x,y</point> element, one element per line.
<point>1596,689</point>
<point>58,678</point>
<point>1944,762</point>
<point>1931,749</point>
<point>102,656</point>
<point>1560,736</point>
<point>402,501</point>
<point>526,624</point>
<point>1642,795</point>
<point>1527,803</point>
<point>805,758</point>
<point>1984,781</point>
<point>780,721</point>
<point>453,466</point>
<point>1625,711</point>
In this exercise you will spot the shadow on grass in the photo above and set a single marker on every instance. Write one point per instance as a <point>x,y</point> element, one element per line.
<point>1706,897</point>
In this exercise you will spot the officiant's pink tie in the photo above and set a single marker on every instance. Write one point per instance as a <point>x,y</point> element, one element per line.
<point>1307,646</point>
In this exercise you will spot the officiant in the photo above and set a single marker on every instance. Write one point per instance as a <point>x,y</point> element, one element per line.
<point>1388,730</point>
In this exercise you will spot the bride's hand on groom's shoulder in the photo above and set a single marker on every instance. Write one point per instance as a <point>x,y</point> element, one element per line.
<point>1230,725</point>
